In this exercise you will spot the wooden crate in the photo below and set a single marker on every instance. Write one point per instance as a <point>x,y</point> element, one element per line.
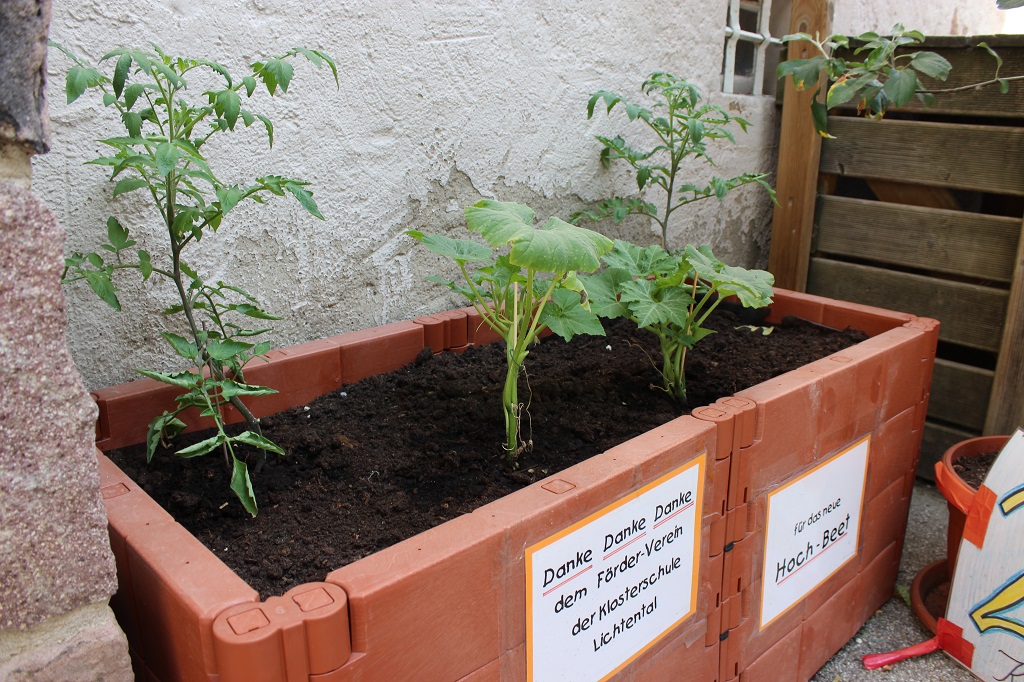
<point>922,212</point>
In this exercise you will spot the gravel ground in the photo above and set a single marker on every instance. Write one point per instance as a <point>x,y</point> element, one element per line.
<point>895,626</point>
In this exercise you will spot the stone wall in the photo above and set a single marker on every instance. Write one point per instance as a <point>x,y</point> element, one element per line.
<point>56,567</point>
<point>440,104</point>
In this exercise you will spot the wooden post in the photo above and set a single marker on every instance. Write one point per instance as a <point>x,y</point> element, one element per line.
<point>799,154</point>
<point>1006,402</point>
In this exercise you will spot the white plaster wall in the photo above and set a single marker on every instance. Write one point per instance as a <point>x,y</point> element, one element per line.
<point>441,103</point>
<point>941,18</point>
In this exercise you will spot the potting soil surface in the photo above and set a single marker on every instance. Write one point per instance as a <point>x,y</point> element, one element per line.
<point>393,455</point>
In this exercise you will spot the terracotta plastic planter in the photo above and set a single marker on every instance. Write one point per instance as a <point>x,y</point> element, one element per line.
<point>959,499</point>
<point>452,603</point>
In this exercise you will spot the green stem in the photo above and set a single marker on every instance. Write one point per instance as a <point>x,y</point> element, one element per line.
<point>510,402</point>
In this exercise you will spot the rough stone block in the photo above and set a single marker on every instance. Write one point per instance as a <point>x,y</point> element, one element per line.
<point>54,552</point>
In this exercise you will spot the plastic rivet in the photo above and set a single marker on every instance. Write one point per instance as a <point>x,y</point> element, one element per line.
<point>313,599</point>
<point>114,490</point>
<point>248,621</point>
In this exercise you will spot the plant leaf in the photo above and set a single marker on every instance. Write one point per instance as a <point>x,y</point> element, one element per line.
<point>164,427</point>
<point>641,261</point>
<point>202,447</point>
<point>99,282</point>
<point>603,292</point>
<point>166,158</point>
<point>126,185</point>
<point>242,486</point>
<point>753,288</point>
<point>305,198</point>
<point>901,86</point>
<point>651,304</point>
<point>223,350</point>
<point>145,264</point>
<point>555,247</point>
<point>564,315</point>
<point>186,380</point>
<point>258,441</point>
<point>229,389</point>
<point>931,64</point>
<point>182,346</point>
<point>459,250</point>
<point>229,197</point>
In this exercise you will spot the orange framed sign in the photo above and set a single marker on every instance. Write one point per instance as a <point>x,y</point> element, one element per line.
<point>812,529</point>
<point>604,590</point>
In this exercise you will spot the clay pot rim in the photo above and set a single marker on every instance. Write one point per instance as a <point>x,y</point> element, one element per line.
<point>949,483</point>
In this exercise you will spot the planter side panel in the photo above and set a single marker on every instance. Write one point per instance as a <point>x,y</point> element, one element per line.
<point>453,599</point>
<point>170,586</point>
<point>878,390</point>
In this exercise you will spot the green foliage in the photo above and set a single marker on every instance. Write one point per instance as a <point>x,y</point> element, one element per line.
<point>161,152</point>
<point>527,284</point>
<point>671,295</point>
<point>888,76</point>
<point>684,126</point>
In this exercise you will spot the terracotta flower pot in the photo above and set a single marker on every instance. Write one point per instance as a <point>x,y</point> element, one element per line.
<point>472,599</point>
<point>933,580</point>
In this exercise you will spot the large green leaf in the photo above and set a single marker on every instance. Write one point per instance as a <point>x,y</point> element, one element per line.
<point>901,86</point>
<point>805,72</point>
<point>459,250</point>
<point>640,261</point>
<point>555,247</point>
<point>753,288</point>
<point>499,222</point>
<point>931,64</point>
<point>651,305</point>
<point>126,185</point>
<point>603,292</point>
<point>565,316</point>
<point>559,247</point>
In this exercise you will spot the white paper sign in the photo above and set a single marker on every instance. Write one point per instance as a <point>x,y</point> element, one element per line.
<point>987,596</point>
<point>813,528</point>
<point>601,592</point>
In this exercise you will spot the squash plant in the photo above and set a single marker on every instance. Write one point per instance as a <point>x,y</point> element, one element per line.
<point>530,287</point>
<point>683,126</point>
<point>161,155</point>
<point>671,295</point>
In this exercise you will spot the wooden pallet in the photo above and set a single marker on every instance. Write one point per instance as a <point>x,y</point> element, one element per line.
<point>922,212</point>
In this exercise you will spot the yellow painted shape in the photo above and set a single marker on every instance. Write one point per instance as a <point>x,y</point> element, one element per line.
<point>1009,596</point>
<point>1012,501</point>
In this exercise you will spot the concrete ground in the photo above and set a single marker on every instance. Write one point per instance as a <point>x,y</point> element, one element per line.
<point>895,626</point>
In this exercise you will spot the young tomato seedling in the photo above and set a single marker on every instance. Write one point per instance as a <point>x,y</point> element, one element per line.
<point>162,153</point>
<point>683,126</point>
<point>529,287</point>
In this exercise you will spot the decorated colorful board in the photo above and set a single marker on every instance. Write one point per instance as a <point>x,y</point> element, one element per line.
<point>984,624</point>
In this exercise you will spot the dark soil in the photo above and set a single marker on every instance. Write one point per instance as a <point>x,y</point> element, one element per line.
<point>396,454</point>
<point>974,469</point>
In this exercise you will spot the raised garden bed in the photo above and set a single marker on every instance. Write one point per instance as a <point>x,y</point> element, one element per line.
<point>452,602</point>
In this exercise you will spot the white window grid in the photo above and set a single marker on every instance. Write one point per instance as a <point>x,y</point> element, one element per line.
<point>761,40</point>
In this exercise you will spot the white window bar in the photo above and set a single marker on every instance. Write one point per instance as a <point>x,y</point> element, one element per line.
<point>760,40</point>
